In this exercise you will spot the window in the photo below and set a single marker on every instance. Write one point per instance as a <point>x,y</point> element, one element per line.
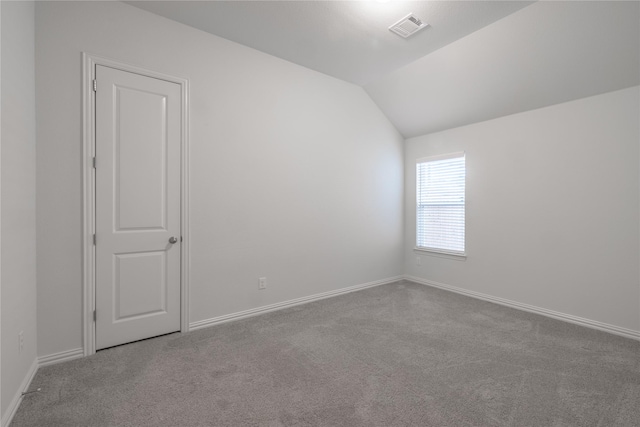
<point>440,203</point>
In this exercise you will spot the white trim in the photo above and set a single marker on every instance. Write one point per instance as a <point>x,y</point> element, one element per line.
<point>185,233</point>
<point>89,63</point>
<point>17,398</point>
<point>593,324</point>
<point>286,304</point>
<point>459,256</point>
<point>441,157</point>
<point>63,356</point>
<point>1,382</point>
<point>39,362</point>
<point>88,204</point>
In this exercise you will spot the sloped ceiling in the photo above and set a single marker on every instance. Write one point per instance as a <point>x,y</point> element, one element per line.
<point>349,40</point>
<point>477,61</point>
<point>545,54</point>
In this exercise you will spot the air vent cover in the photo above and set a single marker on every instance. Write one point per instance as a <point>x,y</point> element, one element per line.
<point>408,25</point>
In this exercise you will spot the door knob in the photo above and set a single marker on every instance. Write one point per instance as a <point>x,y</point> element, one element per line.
<point>172,240</point>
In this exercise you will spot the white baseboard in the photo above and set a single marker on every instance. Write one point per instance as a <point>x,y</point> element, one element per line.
<point>63,356</point>
<point>17,398</point>
<point>286,304</point>
<point>50,359</point>
<point>593,324</point>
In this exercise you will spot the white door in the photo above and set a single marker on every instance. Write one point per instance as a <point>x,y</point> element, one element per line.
<point>137,207</point>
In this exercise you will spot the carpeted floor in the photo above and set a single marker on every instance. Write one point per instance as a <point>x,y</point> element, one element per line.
<point>396,355</point>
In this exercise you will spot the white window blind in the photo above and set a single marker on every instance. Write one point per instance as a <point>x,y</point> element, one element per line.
<point>441,203</point>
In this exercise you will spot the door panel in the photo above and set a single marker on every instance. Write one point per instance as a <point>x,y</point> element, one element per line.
<point>140,285</point>
<point>137,207</point>
<point>140,159</point>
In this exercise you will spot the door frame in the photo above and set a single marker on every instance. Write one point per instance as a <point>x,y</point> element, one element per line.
<point>89,63</point>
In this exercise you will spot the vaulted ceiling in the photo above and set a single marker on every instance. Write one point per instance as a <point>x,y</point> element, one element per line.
<point>545,54</point>
<point>349,40</point>
<point>477,60</point>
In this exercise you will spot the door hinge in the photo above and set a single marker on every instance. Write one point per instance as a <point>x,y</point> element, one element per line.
<point>94,239</point>
<point>95,316</point>
<point>93,162</point>
<point>180,239</point>
<point>95,85</point>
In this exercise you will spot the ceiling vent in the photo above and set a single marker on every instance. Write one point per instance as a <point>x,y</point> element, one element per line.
<point>408,25</point>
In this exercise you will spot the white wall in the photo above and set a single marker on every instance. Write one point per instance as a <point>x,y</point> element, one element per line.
<point>18,193</point>
<point>295,175</point>
<point>552,208</point>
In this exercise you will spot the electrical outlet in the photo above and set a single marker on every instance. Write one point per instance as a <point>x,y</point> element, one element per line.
<point>418,260</point>
<point>20,341</point>
<point>262,283</point>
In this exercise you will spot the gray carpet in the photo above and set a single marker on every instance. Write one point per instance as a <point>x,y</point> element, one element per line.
<point>396,355</point>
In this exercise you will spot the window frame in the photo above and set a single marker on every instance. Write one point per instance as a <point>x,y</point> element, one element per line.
<point>438,252</point>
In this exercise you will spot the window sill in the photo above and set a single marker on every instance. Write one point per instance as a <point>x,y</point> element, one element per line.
<point>440,254</point>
